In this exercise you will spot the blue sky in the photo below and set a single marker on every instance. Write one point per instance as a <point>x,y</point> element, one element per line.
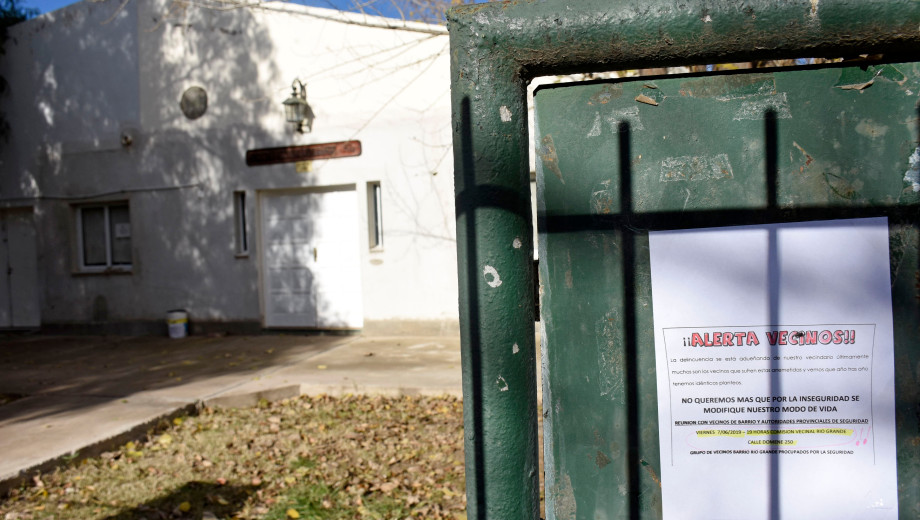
<point>45,6</point>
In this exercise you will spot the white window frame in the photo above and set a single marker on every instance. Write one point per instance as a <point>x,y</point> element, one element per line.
<point>81,253</point>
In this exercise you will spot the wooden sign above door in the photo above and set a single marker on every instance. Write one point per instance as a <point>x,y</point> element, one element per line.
<point>310,152</point>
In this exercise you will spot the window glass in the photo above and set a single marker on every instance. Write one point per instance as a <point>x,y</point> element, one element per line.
<point>93,232</point>
<point>105,236</point>
<point>375,215</point>
<point>120,233</point>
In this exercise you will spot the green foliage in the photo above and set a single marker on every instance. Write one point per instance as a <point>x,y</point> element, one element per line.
<point>11,12</point>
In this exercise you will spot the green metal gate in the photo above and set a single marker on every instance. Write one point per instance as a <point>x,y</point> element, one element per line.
<point>619,159</point>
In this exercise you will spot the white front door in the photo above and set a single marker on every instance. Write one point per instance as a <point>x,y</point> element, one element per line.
<point>18,270</point>
<point>310,263</point>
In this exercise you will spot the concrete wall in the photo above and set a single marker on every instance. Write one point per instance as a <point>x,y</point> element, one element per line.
<point>83,76</point>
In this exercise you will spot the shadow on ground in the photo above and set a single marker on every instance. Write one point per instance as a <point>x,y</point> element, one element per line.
<point>192,500</point>
<point>111,368</point>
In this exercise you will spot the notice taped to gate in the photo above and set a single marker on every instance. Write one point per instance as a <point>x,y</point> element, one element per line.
<point>775,367</point>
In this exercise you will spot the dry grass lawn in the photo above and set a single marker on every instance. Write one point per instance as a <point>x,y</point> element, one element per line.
<point>309,457</point>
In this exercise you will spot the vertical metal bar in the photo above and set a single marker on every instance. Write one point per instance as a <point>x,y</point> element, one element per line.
<point>495,257</point>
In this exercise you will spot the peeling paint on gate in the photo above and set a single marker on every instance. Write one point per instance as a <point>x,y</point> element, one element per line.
<point>611,357</point>
<point>564,504</point>
<point>912,175</point>
<point>548,156</point>
<point>695,168</point>
<point>727,88</point>
<point>755,109</point>
<point>603,201</point>
<point>491,276</point>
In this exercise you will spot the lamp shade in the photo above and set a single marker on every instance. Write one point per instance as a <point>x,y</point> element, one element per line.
<point>295,109</point>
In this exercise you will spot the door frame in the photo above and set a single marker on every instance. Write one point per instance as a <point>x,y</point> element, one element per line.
<point>29,213</point>
<point>261,195</point>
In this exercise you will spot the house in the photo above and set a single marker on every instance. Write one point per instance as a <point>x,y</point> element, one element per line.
<point>125,190</point>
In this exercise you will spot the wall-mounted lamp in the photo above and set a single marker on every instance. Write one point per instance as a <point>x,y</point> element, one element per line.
<point>296,109</point>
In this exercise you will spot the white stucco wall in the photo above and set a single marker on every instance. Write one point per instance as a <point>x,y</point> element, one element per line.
<point>387,88</point>
<point>73,84</point>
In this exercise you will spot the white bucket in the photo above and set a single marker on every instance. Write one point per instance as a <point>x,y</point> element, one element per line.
<point>177,321</point>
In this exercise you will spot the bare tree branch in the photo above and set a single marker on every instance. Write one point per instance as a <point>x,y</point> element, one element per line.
<point>429,12</point>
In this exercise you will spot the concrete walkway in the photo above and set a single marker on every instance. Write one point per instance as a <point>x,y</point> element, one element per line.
<point>66,396</point>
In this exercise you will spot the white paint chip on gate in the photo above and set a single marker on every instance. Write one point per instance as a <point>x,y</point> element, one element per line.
<point>757,108</point>
<point>695,168</point>
<point>912,175</point>
<point>505,114</point>
<point>596,127</point>
<point>516,243</point>
<point>515,349</point>
<point>489,271</point>
<point>502,384</point>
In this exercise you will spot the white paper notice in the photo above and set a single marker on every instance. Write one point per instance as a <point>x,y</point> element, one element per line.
<point>774,352</point>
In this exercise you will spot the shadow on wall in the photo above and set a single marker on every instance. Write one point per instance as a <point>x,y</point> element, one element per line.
<point>108,128</point>
<point>99,131</point>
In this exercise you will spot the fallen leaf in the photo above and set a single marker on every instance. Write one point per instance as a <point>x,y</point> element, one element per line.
<point>292,513</point>
<point>185,507</point>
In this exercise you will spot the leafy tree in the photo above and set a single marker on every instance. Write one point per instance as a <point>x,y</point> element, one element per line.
<point>13,12</point>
